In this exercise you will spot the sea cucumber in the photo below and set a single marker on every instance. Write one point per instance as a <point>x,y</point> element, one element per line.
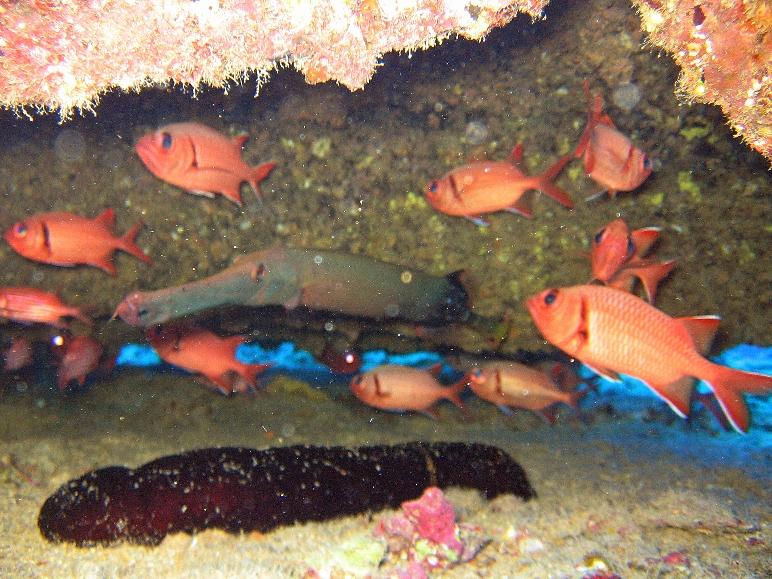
<point>244,489</point>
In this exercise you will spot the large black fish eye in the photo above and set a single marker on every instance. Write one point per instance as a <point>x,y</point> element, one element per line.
<point>433,187</point>
<point>551,296</point>
<point>599,236</point>
<point>647,163</point>
<point>166,140</point>
<point>20,230</point>
<point>630,247</point>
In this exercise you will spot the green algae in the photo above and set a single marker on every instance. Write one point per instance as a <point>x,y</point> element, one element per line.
<point>687,184</point>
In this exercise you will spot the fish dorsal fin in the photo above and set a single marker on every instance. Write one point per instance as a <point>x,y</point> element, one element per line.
<point>239,140</point>
<point>677,394</point>
<point>516,156</point>
<point>644,238</point>
<point>107,217</point>
<point>702,330</point>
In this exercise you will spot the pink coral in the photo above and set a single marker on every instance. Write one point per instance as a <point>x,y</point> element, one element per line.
<point>434,518</point>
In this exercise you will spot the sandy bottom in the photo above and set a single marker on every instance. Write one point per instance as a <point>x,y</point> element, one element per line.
<point>609,488</point>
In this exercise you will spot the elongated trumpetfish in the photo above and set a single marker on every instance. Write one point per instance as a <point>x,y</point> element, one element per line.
<point>332,281</point>
<point>243,489</point>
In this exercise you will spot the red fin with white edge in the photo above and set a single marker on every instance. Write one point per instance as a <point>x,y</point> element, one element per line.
<point>677,394</point>
<point>644,239</point>
<point>107,218</point>
<point>702,330</point>
<point>257,174</point>
<point>727,384</point>
<point>128,244</point>
<point>605,373</point>
<point>522,206</point>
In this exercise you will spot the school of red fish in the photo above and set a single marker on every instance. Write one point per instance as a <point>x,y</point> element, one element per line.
<point>604,325</point>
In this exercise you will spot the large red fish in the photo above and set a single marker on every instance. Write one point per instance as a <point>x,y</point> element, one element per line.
<point>610,158</point>
<point>491,186</point>
<point>27,305</point>
<point>200,160</point>
<point>65,239</point>
<point>203,352</point>
<point>613,332</point>
<point>618,258</point>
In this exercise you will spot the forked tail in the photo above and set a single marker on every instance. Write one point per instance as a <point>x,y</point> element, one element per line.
<point>547,186</point>
<point>257,174</point>
<point>728,384</point>
<point>129,245</point>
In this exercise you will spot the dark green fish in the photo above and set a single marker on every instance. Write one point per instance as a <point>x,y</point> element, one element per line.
<point>318,279</point>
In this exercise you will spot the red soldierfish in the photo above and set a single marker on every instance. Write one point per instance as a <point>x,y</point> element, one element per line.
<point>491,186</point>
<point>509,384</point>
<point>80,356</point>
<point>200,351</point>
<point>66,239</point>
<point>610,158</point>
<point>200,160</point>
<point>399,388</point>
<point>27,305</point>
<point>613,332</point>
<point>617,258</point>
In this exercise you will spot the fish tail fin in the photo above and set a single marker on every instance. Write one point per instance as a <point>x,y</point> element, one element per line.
<point>257,174</point>
<point>728,384</point>
<point>453,393</point>
<point>651,275</point>
<point>547,186</point>
<point>129,245</point>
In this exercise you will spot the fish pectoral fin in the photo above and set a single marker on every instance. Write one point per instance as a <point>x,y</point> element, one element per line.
<point>677,394</point>
<point>605,373</point>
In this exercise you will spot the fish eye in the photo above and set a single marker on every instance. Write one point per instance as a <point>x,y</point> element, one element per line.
<point>166,140</point>
<point>599,236</point>
<point>550,297</point>
<point>647,163</point>
<point>630,247</point>
<point>433,187</point>
<point>20,230</point>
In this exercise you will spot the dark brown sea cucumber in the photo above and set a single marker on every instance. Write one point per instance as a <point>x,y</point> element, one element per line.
<point>244,489</point>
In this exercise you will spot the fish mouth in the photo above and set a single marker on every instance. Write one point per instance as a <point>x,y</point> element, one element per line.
<point>146,152</point>
<point>128,310</point>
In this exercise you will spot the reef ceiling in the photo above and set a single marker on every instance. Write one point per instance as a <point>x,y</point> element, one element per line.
<point>63,54</point>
